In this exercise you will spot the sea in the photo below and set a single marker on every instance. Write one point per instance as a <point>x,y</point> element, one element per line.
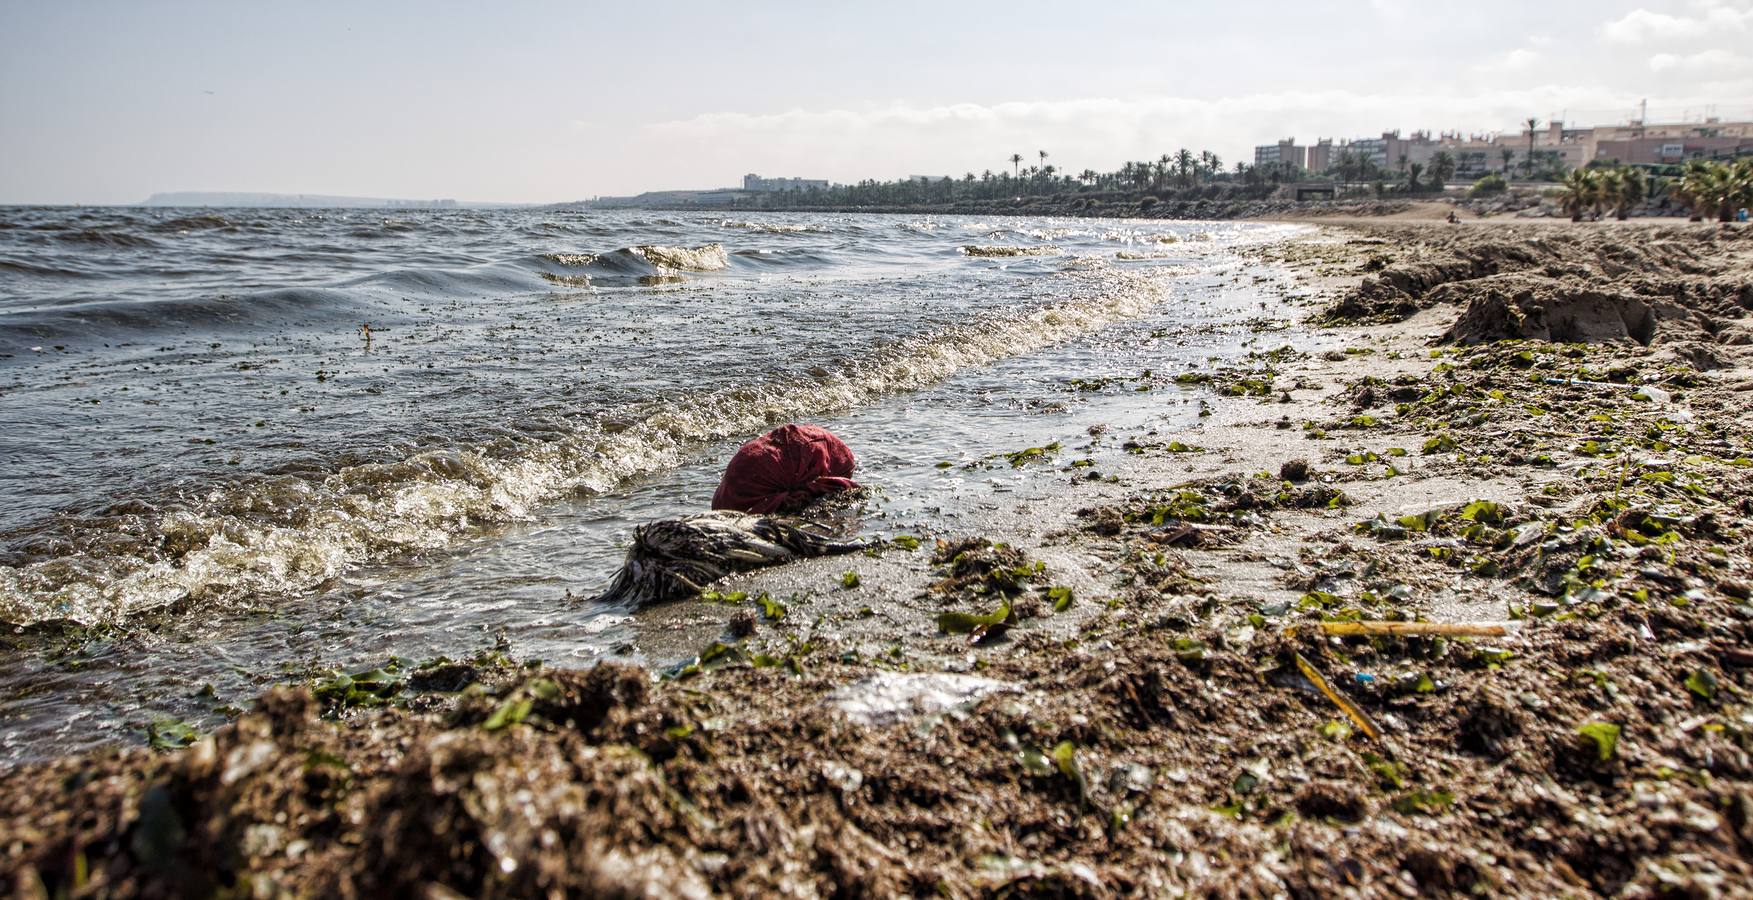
<point>241,445</point>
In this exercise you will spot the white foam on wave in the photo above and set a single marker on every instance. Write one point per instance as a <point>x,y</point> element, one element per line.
<point>997,252</point>
<point>774,227</point>
<point>708,258</point>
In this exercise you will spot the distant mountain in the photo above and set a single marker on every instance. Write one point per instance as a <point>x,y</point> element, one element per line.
<point>306,201</point>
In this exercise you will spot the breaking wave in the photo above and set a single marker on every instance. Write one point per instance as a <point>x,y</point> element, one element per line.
<point>707,258</point>
<point>774,227</point>
<point>283,534</point>
<point>983,251</point>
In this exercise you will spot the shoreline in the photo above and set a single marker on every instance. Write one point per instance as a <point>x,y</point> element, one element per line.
<point>1329,212</point>
<point>1182,724</point>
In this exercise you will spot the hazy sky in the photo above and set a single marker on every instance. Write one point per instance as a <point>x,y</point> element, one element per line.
<point>528,101</point>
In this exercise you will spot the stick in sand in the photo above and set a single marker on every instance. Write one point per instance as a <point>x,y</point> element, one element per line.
<point>1449,629</point>
<point>1345,705</point>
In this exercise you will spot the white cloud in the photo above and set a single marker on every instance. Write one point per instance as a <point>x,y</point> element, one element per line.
<point>1519,59</point>
<point>1098,132</point>
<point>1704,62</point>
<point>1713,19</point>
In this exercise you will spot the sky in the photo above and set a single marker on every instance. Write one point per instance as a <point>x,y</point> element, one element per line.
<point>107,102</point>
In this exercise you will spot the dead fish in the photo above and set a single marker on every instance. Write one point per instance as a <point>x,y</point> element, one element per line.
<point>673,559</point>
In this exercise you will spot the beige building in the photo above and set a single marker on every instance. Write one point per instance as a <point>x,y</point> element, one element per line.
<point>1476,155</point>
<point>1674,143</point>
<point>1285,151</point>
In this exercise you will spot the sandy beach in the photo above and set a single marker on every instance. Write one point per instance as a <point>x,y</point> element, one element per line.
<point>1447,593</point>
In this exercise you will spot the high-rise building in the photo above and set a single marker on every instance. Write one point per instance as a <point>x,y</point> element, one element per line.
<point>757,183</point>
<point>1285,151</point>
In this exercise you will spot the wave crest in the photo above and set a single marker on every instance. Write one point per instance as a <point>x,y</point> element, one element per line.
<point>978,250</point>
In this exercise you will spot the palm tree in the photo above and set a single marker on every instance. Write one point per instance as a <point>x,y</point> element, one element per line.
<point>1043,155</point>
<point>1442,168</point>
<point>1508,153</point>
<point>1162,169</point>
<point>1412,173</point>
<point>1016,161</point>
<point>1580,191</point>
<point>1184,167</point>
<point>1625,187</point>
<point>1528,164</point>
<point>1213,163</point>
<point>1346,166</point>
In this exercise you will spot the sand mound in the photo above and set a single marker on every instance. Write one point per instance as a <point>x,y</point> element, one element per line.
<point>1531,310</point>
<point>1661,285</point>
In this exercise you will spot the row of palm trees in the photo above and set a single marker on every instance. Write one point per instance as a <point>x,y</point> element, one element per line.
<point>1184,168</point>
<point>1716,188</point>
<point>1591,191</point>
<point>1202,172</point>
<point>1707,188</point>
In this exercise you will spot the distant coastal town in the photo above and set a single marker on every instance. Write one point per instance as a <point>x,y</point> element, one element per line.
<point>1687,166</point>
<point>1390,164</point>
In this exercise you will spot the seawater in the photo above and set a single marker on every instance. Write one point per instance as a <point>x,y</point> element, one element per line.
<point>246,443</point>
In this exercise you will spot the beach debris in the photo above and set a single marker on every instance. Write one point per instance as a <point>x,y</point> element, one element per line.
<point>979,566</point>
<point>885,698</point>
<point>1189,534</point>
<point>674,559</point>
<point>784,469</point>
<point>1219,505</point>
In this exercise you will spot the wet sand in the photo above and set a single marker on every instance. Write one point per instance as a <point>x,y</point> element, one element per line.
<point>1456,435</point>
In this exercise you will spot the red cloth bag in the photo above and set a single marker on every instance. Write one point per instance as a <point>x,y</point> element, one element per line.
<point>784,469</point>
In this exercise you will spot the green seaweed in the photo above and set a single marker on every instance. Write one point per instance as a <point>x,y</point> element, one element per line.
<point>1423,801</point>
<point>1703,683</point>
<point>1603,736</point>
<point>372,687</point>
<point>1031,454</point>
<point>1065,760</point>
<point>512,711</point>
<point>969,623</point>
<point>169,733</point>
